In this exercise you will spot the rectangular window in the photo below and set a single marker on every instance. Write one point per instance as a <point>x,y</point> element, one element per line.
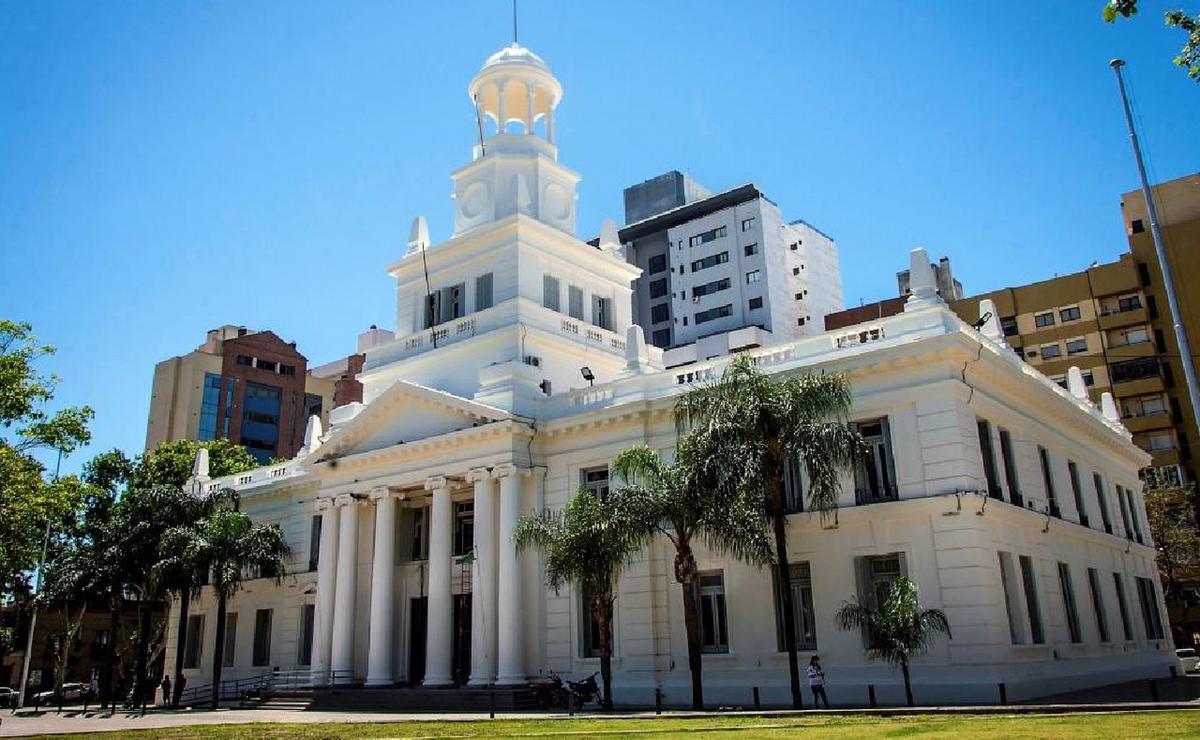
<point>1077,490</point>
<point>1009,325</point>
<point>1077,346</point>
<point>1029,582</point>
<point>1138,369</point>
<point>229,650</point>
<point>1151,617</point>
<point>1133,515</point>
<point>483,292</point>
<point>707,236</point>
<point>1051,351</point>
<point>752,249</point>
<point>1010,468</point>
<point>753,276</point>
<point>261,408</point>
<point>245,360</point>
<point>1043,319</point>
<point>803,617</point>
<point>658,288</point>
<point>656,264</point>
<point>308,614</point>
<point>1129,303</point>
<point>287,369</point>
<point>989,458</point>
<point>267,365</point>
<point>420,534</point>
<point>710,599</point>
<point>875,471</point>
<point>209,401</point>
<point>707,262</point>
<point>709,288</point>
<point>748,223</point>
<point>550,292</point>
<point>793,487</point>
<point>595,481</point>
<point>262,637</point>
<point>1068,597</point>
<point>1070,313</point>
<point>1124,513</point>
<point>714,313</point>
<point>1102,502</point>
<point>1008,579</point>
<point>602,313</point>
<point>874,577</point>
<point>755,303</point>
<point>194,642</point>
<point>1123,607</point>
<point>1098,604</point>
<point>1048,481</point>
<point>661,338</point>
<point>660,313</point>
<point>314,543</point>
<point>464,527</point>
<point>575,302</point>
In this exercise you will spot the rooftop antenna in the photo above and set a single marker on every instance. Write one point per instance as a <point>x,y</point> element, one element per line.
<point>514,22</point>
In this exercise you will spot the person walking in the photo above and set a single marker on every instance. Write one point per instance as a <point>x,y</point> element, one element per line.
<point>166,691</point>
<point>816,682</point>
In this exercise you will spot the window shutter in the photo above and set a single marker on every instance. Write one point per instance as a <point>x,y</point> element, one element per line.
<point>866,595</point>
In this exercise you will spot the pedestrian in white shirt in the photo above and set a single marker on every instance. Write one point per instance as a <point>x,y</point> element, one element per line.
<point>816,682</point>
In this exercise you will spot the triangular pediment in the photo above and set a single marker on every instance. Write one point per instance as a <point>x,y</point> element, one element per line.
<point>407,412</point>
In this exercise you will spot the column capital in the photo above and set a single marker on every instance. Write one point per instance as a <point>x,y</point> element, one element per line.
<point>380,492</point>
<point>434,482</point>
<point>508,469</point>
<point>474,475</point>
<point>346,499</point>
<point>325,504</point>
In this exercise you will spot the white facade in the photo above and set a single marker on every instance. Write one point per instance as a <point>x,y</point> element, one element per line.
<point>469,431</point>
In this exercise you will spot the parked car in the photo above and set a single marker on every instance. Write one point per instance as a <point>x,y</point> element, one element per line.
<point>73,691</point>
<point>1189,661</point>
<point>8,697</point>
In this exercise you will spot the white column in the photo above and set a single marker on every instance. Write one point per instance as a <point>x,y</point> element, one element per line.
<point>326,574</point>
<point>500,113</point>
<point>440,620</point>
<point>346,590</point>
<point>532,102</point>
<point>383,596</point>
<point>483,580</point>
<point>511,645</point>
<point>550,123</point>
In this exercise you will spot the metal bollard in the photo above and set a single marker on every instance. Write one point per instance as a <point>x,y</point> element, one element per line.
<point>658,700</point>
<point>871,695</point>
<point>1003,693</point>
<point>1153,690</point>
<point>570,703</point>
<point>492,705</point>
<point>757,705</point>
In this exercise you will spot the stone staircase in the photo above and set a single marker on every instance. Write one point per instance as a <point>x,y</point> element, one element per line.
<point>296,700</point>
<point>424,699</point>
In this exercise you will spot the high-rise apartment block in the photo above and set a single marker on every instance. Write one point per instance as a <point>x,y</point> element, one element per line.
<point>724,271</point>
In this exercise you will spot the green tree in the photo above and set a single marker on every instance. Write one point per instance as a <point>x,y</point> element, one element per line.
<point>587,544</point>
<point>1189,55</point>
<point>27,500</point>
<point>897,629</point>
<point>1171,514</point>
<point>170,463</point>
<point>689,500</point>
<point>759,424</point>
<point>229,547</point>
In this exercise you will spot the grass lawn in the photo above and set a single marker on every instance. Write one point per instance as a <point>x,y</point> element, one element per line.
<point>952,727</point>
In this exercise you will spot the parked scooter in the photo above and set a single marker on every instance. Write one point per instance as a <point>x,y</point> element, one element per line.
<point>551,692</point>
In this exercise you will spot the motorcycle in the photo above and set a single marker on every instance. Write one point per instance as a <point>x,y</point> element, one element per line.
<point>551,692</point>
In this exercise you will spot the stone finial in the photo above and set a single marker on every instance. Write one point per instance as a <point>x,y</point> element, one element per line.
<point>921,283</point>
<point>609,238</point>
<point>1075,383</point>
<point>200,465</point>
<point>418,236</point>
<point>1108,407</point>
<point>639,356</point>
<point>312,435</point>
<point>991,328</point>
<point>521,195</point>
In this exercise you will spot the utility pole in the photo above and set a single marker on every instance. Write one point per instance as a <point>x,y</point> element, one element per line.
<point>1185,351</point>
<point>37,586</point>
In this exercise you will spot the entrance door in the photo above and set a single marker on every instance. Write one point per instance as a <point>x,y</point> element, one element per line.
<point>418,622</point>
<point>461,665</point>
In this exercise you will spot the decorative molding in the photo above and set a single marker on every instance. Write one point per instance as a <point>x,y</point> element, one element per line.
<point>380,492</point>
<point>474,475</point>
<point>435,482</point>
<point>508,469</point>
<point>346,499</point>
<point>325,504</point>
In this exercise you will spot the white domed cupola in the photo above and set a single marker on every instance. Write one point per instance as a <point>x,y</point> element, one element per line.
<point>515,165</point>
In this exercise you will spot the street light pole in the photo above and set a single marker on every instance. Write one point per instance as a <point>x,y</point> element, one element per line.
<point>1185,351</point>
<point>37,586</point>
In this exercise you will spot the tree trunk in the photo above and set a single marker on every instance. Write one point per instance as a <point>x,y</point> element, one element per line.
<point>784,571</point>
<point>907,682</point>
<point>180,647</point>
<point>218,652</point>
<point>685,573</point>
<point>602,613</point>
<point>114,624</point>
<point>143,657</point>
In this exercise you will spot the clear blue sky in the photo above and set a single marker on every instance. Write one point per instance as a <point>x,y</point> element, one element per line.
<point>167,167</point>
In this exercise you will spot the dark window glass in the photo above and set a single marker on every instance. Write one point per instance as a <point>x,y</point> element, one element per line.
<point>595,481</point>
<point>1098,604</point>
<point>1137,369</point>
<point>464,527</point>
<point>307,619</point>
<point>1136,226</point>
<point>713,261</point>
<point>262,637</point>
<point>710,288</point>
<point>710,598</point>
<point>714,313</point>
<point>803,616</point>
<point>1043,319</point>
<point>1068,596</point>
<point>1029,583</point>
<point>229,650</point>
<point>193,643</point>
<point>1151,616</point>
<point>989,458</point>
<point>660,313</point>
<point>661,338</point>
<point>260,420</point>
<point>755,303</point>
<point>1010,468</point>
<point>313,405</point>
<point>314,543</point>
<point>658,288</point>
<point>1123,606</point>
<point>657,263</point>
<point>209,401</point>
<point>875,471</point>
<point>1102,502</point>
<point>1070,313</point>
<point>1048,482</point>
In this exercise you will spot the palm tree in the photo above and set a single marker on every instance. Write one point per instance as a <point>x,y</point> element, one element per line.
<point>230,547</point>
<point>587,543</point>
<point>687,500</point>
<point>759,425</point>
<point>897,629</point>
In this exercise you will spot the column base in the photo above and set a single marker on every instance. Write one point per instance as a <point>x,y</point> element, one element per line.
<point>319,678</point>
<point>379,681</point>
<point>511,680</point>
<point>436,681</point>
<point>480,682</point>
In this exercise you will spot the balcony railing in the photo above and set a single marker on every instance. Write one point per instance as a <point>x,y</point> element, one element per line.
<point>864,495</point>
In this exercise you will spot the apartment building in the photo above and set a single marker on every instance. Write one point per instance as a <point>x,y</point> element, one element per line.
<point>249,387</point>
<point>725,271</point>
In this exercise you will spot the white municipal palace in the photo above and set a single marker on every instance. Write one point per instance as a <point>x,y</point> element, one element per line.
<point>1013,503</point>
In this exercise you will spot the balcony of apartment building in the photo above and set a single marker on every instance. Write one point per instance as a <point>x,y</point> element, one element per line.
<point>1162,444</point>
<point>1136,377</point>
<point>1129,342</point>
<point>1121,310</point>
<point>1146,412</point>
